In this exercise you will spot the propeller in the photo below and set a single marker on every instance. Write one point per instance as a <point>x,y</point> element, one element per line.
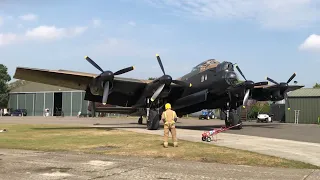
<point>166,80</point>
<point>283,86</point>
<point>248,86</point>
<point>106,77</point>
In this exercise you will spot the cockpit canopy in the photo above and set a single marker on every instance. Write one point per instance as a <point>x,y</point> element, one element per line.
<point>208,64</point>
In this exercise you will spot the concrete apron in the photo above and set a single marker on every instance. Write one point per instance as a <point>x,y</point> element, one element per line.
<point>294,150</point>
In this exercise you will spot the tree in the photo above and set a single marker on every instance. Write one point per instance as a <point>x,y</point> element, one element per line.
<point>4,88</point>
<point>151,78</point>
<point>316,85</point>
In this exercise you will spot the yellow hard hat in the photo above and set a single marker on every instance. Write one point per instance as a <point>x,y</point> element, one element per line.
<point>168,106</point>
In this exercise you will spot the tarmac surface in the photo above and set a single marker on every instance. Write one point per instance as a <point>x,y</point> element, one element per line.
<point>297,142</point>
<point>36,165</point>
<point>296,132</point>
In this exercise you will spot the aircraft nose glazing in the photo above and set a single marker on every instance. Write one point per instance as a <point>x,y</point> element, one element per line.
<point>231,78</point>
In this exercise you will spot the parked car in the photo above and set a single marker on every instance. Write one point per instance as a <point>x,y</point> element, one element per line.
<point>207,115</point>
<point>19,112</point>
<point>264,118</point>
<point>6,111</point>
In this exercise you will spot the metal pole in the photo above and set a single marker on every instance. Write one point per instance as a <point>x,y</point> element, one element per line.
<point>71,104</point>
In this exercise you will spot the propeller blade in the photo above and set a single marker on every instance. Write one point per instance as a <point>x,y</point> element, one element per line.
<point>271,80</point>
<point>182,83</point>
<point>246,97</point>
<point>240,72</point>
<point>286,99</point>
<point>290,79</point>
<point>261,83</point>
<point>125,70</point>
<point>105,93</point>
<point>93,63</point>
<point>160,63</point>
<point>158,91</point>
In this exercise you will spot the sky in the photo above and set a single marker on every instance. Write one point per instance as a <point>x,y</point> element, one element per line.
<point>264,37</point>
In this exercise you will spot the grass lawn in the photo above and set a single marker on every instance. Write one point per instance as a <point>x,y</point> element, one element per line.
<point>117,142</point>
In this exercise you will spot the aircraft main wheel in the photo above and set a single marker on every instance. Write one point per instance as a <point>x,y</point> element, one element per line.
<point>153,122</point>
<point>208,117</point>
<point>208,139</point>
<point>234,120</point>
<point>204,138</point>
<point>140,120</point>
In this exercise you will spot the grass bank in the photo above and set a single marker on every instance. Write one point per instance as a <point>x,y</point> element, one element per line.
<point>117,142</point>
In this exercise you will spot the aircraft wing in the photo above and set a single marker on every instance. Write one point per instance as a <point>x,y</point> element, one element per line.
<point>75,80</point>
<point>273,87</point>
<point>123,92</point>
<point>262,93</point>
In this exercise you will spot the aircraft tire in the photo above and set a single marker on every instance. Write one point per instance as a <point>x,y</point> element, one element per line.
<point>153,122</point>
<point>234,120</point>
<point>223,115</point>
<point>140,120</point>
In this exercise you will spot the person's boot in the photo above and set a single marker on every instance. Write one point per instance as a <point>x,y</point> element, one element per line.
<point>175,144</point>
<point>165,144</point>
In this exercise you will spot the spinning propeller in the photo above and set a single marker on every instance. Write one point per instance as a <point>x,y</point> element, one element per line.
<point>283,86</point>
<point>106,77</point>
<point>166,80</point>
<point>248,85</point>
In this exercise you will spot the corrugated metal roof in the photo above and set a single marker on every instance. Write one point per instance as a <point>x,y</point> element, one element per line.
<point>305,92</point>
<point>28,87</point>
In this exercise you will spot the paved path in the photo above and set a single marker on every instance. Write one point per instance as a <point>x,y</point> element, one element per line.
<point>35,165</point>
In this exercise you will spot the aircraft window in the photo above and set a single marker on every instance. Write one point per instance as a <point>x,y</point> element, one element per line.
<point>195,69</point>
<point>230,66</point>
<point>223,66</point>
<point>204,65</point>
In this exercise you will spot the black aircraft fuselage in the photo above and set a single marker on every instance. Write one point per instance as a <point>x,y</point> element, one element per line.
<point>208,89</point>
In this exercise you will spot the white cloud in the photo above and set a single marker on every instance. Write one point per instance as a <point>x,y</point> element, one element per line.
<point>28,17</point>
<point>96,22</point>
<point>41,33</point>
<point>312,43</point>
<point>8,38</point>
<point>52,32</point>
<point>132,23</point>
<point>278,14</point>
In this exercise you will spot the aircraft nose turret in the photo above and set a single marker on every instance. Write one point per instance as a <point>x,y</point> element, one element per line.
<point>231,77</point>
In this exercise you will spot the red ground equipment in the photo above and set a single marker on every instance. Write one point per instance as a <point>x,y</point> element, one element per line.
<point>208,135</point>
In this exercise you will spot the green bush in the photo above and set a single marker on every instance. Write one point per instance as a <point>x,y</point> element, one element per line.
<point>258,108</point>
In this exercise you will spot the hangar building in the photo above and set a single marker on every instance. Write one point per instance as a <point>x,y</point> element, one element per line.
<point>36,97</point>
<point>304,104</point>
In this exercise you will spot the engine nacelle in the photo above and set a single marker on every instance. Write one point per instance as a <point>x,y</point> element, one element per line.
<point>96,87</point>
<point>277,96</point>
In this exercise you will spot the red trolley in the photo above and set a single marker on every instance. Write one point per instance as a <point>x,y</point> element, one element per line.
<point>208,135</point>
